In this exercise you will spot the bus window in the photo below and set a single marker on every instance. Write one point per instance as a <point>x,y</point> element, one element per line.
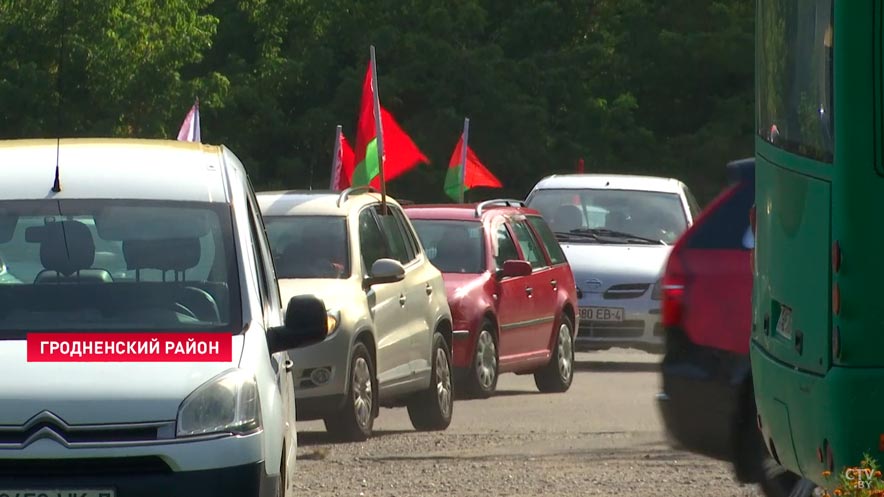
<point>794,76</point>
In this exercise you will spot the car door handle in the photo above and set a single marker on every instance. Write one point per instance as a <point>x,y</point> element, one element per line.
<point>554,283</point>
<point>429,289</point>
<point>402,300</point>
<point>529,290</point>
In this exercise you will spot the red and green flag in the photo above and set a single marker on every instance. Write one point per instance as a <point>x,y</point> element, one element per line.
<point>460,178</point>
<point>400,152</point>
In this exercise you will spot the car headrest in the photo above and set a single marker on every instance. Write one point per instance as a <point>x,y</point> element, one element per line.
<point>454,241</point>
<point>65,246</point>
<point>568,217</point>
<point>178,254</point>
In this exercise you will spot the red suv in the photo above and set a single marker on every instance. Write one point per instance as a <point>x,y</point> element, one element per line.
<point>510,289</point>
<point>707,403</point>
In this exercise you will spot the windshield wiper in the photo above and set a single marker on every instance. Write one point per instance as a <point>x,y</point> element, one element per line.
<point>604,232</point>
<point>564,236</point>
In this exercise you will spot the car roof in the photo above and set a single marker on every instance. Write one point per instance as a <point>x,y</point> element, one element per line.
<point>741,170</point>
<point>467,211</point>
<point>316,202</point>
<point>610,181</point>
<point>113,168</point>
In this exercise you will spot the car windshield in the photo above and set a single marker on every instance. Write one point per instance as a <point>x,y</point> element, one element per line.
<point>309,246</point>
<point>452,246</point>
<point>117,265</point>
<point>644,214</point>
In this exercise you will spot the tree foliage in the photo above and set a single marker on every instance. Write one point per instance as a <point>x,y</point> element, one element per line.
<point>632,86</point>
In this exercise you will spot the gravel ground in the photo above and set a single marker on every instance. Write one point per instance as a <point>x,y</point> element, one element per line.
<point>603,437</point>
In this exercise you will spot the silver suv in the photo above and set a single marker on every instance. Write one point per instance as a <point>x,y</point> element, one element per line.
<point>389,340</point>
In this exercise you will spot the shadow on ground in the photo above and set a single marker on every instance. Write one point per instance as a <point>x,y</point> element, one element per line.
<point>617,366</point>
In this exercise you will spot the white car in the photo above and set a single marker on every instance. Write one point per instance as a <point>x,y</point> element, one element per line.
<point>148,243</point>
<point>616,231</point>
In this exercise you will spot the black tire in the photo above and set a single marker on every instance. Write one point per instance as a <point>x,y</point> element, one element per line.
<point>774,480</point>
<point>431,409</point>
<point>481,381</point>
<point>779,482</point>
<point>350,423</point>
<point>557,375</point>
<point>283,471</point>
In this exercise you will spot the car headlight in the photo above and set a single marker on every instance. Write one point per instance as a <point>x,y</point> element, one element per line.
<point>333,319</point>
<point>228,403</point>
<point>657,292</point>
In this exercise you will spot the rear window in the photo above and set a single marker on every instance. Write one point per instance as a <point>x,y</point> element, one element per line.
<point>452,246</point>
<point>726,225</point>
<point>794,76</point>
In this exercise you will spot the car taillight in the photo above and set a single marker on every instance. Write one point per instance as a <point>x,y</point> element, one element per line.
<point>672,287</point>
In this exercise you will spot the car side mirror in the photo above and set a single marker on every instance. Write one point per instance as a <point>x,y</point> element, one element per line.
<point>306,323</point>
<point>385,271</point>
<point>514,268</point>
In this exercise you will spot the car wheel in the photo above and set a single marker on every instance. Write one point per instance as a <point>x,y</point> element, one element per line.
<point>482,378</point>
<point>774,480</point>
<point>556,377</point>
<point>354,422</point>
<point>283,472</point>
<point>431,409</point>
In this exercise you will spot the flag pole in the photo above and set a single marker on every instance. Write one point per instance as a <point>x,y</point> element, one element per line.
<point>336,160</point>
<point>463,159</point>
<point>379,129</point>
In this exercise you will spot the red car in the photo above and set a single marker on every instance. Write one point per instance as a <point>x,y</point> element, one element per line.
<point>510,288</point>
<point>707,402</point>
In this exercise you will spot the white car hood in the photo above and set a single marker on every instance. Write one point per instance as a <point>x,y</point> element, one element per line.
<point>98,393</point>
<point>616,264</point>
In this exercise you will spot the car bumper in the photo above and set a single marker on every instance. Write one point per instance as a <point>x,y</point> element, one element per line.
<point>227,465</point>
<point>700,400</point>
<point>320,370</point>
<point>640,327</point>
<point>237,481</point>
<point>462,348</point>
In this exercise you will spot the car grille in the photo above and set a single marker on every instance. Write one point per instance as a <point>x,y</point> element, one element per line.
<point>601,329</point>
<point>97,435</point>
<point>626,291</point>
<point>47,425</point>
<point>48,468</point>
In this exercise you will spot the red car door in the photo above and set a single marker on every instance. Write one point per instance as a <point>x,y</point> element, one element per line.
<point>542,296</point>
<point>512,297</point>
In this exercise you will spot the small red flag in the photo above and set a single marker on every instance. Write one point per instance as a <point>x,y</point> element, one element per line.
<point>476,173</point>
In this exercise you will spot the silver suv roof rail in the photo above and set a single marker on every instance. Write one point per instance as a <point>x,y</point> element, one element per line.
<point>354,190</point>
<point>500,202</point>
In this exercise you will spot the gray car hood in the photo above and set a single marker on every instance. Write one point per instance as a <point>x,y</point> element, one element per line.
<point>616,264</point>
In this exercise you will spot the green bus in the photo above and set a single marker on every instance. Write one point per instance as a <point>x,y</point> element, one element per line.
<point>817,346</point>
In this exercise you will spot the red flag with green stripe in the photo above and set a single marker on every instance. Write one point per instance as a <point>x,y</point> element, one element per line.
<point>401,154</point>
<point>475,175</point>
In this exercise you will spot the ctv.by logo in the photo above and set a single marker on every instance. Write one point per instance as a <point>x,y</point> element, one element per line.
<point>862,478</point>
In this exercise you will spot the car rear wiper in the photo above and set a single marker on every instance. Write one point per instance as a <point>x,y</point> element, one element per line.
<point>617,234</point>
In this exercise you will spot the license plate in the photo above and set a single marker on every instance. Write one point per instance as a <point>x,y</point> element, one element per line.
<point>69,492</point>
<point>599,314</point>
<point>784,324</point>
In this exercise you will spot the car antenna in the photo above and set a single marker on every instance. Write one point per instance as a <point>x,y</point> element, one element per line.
<point>56,185</point>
